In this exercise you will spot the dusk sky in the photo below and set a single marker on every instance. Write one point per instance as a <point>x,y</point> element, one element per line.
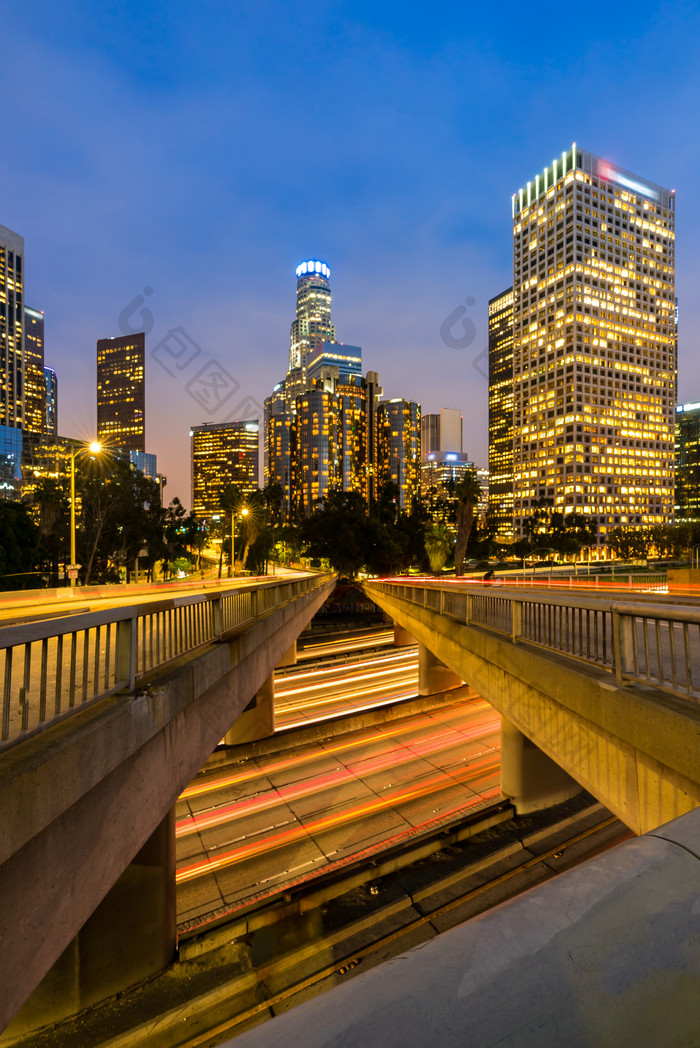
<point>203,151</point>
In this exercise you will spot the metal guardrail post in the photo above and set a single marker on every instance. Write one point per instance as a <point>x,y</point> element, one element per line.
<point>623,644</point>
<point>217,616</point>
<point>126,651</point>
<point>516,620</point>
<point>468,609</point>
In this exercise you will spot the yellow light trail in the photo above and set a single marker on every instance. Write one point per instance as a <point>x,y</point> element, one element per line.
<point>435,785</point>
<point>239,809</point>
<point>198,789</point>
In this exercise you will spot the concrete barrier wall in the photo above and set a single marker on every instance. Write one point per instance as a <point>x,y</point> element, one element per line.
<point>606,954</point>
<point>81,799</point>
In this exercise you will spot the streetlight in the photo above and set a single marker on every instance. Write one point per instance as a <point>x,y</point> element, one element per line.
<point>540,549</point>
<point>95,447</point>
<point>232,565</point>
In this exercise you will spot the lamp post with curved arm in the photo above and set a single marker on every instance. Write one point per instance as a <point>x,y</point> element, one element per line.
<point>95,447</point>
<point>540,549</point>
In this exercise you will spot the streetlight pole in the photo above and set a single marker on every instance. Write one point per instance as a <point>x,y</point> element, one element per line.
<point>232,565</point>
<point>95,447</point>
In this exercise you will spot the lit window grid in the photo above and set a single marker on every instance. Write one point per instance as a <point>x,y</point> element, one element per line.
<point>594,327</point>
<point>222,454</point>
<point>399,449</point>
<point>121,392</point>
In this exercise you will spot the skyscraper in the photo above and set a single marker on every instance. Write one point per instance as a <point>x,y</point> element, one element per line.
<point>223,453</point>
<point>501,414</point>
<point>312,323</point>
<point>121,392</point>
<point>398,431</point>
<point>11,328</point>
<point>688,462</point>
<point>51,402</point>
<point>594,356</point>
<point>34,382</point>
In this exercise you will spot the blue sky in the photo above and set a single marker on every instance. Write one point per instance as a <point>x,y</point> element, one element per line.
<point>203,151</point>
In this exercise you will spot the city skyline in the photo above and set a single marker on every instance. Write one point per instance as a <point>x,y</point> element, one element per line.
<point>406,193</point>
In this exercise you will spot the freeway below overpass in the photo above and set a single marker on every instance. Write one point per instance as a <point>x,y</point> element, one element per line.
<point>119,709</point>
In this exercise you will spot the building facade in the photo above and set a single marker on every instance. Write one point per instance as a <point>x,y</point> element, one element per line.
<point>11,328</point>
<point>594,352</point>
<point>399,432</point>
<point>51,402</point>
<point>121,392</point>
<point>687,462</point>
<point>223,453</point>
<point>34,384</point>
<point>501,414</point>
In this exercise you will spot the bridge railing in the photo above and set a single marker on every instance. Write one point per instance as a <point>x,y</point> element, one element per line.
<point>645,641</point>
<point>53,668</point>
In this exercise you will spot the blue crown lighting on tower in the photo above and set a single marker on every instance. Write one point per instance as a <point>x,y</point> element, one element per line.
<point>313,320</point>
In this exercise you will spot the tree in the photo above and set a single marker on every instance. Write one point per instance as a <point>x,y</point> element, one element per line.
<point>438,545</point>
<point>18,541</point>
<point>467,493</point>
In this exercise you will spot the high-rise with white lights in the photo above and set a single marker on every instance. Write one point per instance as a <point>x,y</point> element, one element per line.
<point>594,350</point>
<point>312,323</point>
<point>11,328</point>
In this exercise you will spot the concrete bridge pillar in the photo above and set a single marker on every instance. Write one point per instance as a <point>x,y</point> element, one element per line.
<point>529,778</point>
<point>257,721</point>
<point>402,638</point>
<point>433,675</point>
<point>130,937</point>
<point>289,658</point>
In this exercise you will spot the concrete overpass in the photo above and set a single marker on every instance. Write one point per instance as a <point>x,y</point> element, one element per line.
<point>598,691</point>
<point>106,717</point>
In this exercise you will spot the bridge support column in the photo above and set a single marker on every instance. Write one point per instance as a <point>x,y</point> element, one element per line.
<point>529,778</point>
<point>402,638</point>
<point>289,658</point>
<point>257,721</point>
<point>130,937</point>
<point>433,675</point>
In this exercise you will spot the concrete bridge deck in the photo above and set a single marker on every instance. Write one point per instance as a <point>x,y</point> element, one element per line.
<point>118,712</point>
<point>598,691</point>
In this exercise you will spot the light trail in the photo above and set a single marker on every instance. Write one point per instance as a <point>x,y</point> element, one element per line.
<point>387,733</point>
<point>318,784</point>
<point>410,657</point>
<point>304,832</point>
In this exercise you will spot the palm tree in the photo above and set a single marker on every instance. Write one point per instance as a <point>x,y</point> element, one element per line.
<point>438,543</point>
<point>468,493</point>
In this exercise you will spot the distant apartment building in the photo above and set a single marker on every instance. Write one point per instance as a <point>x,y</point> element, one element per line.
<point>121,392</point>
<point>223,454</point>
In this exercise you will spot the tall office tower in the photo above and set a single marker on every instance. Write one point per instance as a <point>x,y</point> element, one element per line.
<point>11,328</point>
<point>223,453</point>
<point>314,453</point>
<point>687,462</point>
<point>373,395</point>
<point>441,432</point>
<point>34,384</point>
<point>121,392</point>
<point>51,402</point>
<point>501,414</point>
<point>594,357</point>
<point>398,426</point>
<point>276,444</point>
<point>313,320</point>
